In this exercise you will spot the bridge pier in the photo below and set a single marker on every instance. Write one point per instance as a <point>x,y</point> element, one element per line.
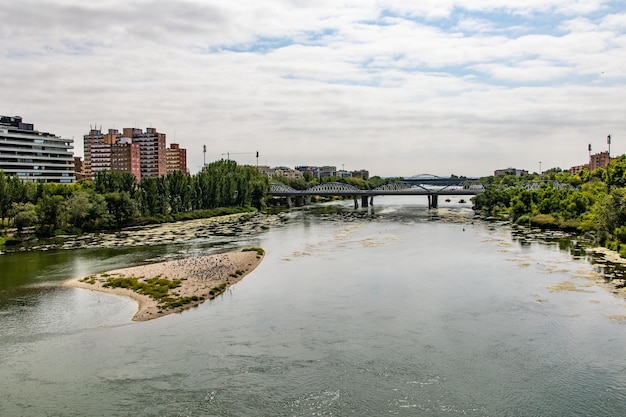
<point>433,200</point>
<point>364,202</point>
<point>289,201</point>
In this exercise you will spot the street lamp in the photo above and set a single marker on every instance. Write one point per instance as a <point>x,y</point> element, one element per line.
<point>539,167</point>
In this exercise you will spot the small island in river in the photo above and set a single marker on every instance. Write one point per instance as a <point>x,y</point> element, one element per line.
<point>173,286</point>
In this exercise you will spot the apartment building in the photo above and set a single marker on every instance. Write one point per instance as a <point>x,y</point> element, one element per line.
<point>152,150</point>
<point>279,171</point>
<point>176,159</point>
<point>126,157</point>
<point>598,160</point>
<point>143,154</point>
<point>34,155</point>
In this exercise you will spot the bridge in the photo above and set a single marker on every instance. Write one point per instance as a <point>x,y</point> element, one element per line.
<point>429,186</point>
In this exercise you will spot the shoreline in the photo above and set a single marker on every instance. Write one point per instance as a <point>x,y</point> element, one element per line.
<point>200,278</point>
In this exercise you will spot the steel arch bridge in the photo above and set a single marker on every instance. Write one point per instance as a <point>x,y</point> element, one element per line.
<point>432,191</point>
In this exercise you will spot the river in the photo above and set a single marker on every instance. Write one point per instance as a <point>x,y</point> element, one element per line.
<point>395,310</point>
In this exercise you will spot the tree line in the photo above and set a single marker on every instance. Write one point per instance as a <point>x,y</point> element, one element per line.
<point>117,199</point>
<point>595,206</point>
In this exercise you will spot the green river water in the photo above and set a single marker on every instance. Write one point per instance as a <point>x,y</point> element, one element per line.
<point>395,310</point>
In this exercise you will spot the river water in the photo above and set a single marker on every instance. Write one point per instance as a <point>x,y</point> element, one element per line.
<point>396,310</point>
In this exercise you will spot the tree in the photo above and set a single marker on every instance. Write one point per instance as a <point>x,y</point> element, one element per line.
<point>121,206</point>
<point>5,201</point>
<point>179,196</point>
<point>78,208</point>
<point>112,181</point>
<point>24,215</point>
<point>51,212</point>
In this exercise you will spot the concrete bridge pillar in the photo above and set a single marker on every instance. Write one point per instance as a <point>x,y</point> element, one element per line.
<point>364,202</point>
<point>356,202</point>
<point>433,200</point>
<point>307,200</point>
<point>289,201</point>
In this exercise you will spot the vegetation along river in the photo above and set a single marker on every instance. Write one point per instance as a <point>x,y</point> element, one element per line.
<point>395,310</point>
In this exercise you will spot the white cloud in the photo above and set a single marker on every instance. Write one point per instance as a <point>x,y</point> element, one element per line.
<point>455,86</point>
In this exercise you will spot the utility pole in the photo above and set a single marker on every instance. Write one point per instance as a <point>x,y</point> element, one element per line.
<point>608,141</point>
<point>589,147</point>
<point>539,168</point>
<point>204,151</point>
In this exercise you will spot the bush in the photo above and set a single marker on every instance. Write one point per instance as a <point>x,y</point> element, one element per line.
<point>259,251</point>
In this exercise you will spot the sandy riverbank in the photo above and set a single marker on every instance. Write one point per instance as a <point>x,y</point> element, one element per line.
<point>200,276</point>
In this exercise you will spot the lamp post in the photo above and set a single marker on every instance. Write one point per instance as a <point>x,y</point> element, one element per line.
<point>540,168</point>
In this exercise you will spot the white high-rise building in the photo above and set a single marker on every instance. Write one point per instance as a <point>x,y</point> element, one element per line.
<point>34,155</point>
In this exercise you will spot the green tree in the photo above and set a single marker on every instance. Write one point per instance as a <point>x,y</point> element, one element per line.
<point>179,195</point>
<point>51,213</point>
<point>24,215</point>
<point>5,201</point>
<point>121,207</point>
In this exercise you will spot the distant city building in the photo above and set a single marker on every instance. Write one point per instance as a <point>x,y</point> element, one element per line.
<point>34,155</point>
<point>510,171</point>
<point>579,168</point>
<point>319,172</point>
<point>362,173</point>
<point>279,171</point>
<point>142,154</point>
<point>176,159</point>
<point>79,170</point>
<point>126,157</point>
<point>599,160</point>
<point>152,150</point>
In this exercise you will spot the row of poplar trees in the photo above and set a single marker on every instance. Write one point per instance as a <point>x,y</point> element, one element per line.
<point>116,199</point>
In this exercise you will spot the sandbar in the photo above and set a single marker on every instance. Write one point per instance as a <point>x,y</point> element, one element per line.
<point>199,275</point>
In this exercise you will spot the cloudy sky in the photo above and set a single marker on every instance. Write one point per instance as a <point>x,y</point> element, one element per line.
<point>396,87</point>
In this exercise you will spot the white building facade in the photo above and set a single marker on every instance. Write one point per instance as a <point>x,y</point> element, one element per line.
<point>34,155</point>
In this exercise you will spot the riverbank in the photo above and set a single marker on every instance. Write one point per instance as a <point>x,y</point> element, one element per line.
<point>173,286</point>
<point>219,227</point>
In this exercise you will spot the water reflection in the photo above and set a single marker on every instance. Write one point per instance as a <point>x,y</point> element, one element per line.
<point>394,312</point>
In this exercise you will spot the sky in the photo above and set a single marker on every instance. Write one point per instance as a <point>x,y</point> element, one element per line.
<point>398,88</point>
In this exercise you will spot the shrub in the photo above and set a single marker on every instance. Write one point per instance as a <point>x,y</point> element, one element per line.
<point>260,252</point>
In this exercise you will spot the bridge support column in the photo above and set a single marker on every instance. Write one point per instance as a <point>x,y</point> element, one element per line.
<point>289,201</point>
<point>356,202</point>
<point>433,200</point>
<point>364,201</point>
<point>307,200</point>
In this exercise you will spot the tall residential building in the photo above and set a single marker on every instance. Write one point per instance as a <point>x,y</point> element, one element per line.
<point>176,158</point>
<point>152,150</point>
<point>143,154</point>
<point>126,157</point>
<point>599,160</point>
<point>34,155</point>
